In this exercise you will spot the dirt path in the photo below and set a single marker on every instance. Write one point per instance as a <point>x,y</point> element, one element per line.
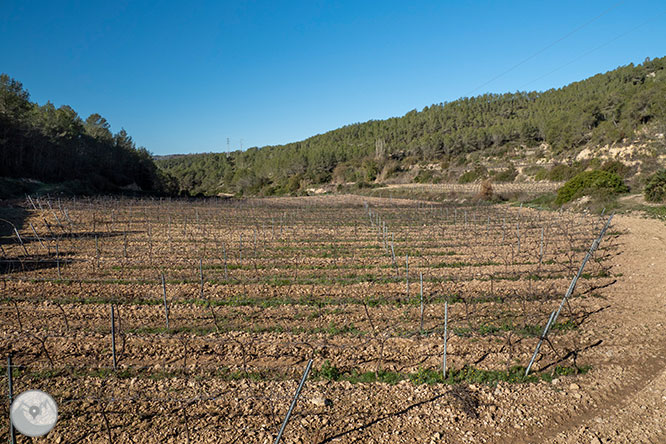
<point>627,388</point>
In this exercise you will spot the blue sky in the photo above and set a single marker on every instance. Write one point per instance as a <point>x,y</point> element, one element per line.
<point>183,78</point>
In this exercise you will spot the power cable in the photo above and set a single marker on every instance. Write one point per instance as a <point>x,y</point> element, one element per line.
<point>585,54</point>
<point>547,47</point>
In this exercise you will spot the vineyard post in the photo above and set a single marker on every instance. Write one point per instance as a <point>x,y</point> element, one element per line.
<point>407,273</point>
<point>518,235</point>
<point>37,235</point>
<point>240,249</point>
<point>31,202</point>
<point>124,244</point>
<point>21,241</point>
<point>166,306</point>
<point>10,383</point>
<point>113,337</point>
<point>572,286</point>
<point>226,270</point>
<point>58,259</point>
<point>541,248</point>
<point>446,331</point>
<point>201,277</point>
<point>421,324</point>
<point>293,402</point>
<point>97,252</point>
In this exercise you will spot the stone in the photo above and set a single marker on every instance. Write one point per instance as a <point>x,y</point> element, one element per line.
<point>321,402</point>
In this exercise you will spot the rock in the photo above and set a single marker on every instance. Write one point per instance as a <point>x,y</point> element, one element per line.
<point>555,381</point>
<point>574,386</point>
<point>321,402</point>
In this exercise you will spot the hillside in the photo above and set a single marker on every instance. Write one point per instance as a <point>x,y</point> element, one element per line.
<point>55,145</point>
<point>514,136</point>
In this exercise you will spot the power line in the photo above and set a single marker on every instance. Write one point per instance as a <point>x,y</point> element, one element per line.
<point>547,47</point>
<point>585,54</point>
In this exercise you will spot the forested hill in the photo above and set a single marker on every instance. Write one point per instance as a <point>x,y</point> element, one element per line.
<point>603,109</point>
<point>55,145</point>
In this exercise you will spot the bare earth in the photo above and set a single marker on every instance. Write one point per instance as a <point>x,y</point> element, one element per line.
<point>627,388</point>
<point>621,399</point>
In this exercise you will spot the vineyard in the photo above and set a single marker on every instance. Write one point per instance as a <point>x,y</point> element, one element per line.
<point>193,321</point>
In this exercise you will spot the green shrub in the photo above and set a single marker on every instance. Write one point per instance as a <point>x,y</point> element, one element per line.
<point>426,176</point>
<point>615,166</point>
<point>477,173</point>
<point>655,189</point>
<point>562,172</point>
<point>508,175</point>
<point>588,182</point>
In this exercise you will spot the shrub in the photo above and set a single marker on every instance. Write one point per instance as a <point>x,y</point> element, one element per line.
<point>426,176</point>
<point>615,166</point>
<point>508,175</point>
<point>477,173</point>
<point>486,192</point>
<point>655,189</point>
<point>588,182</point>
<point>560,172</point>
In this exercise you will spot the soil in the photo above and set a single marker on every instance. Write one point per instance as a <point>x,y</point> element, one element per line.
<point>621,337</point>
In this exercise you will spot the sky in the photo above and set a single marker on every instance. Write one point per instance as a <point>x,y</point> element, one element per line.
<point>183,78</point>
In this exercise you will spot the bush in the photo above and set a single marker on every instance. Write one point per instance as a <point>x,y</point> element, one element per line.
<point>560,172</point>
<point>508,175</point>
<point>486,192</point>
<point>477,173</point>
<point>588,182</point>
<point>615,166</point>
<point>426,176</point>
<point>655,189</point>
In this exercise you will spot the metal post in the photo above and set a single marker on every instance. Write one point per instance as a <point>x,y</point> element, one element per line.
<point>570,290</point>
<point>113,337</point>
<point>541,248</point>
<point>201,277</point>
<point>21,241</point>
<point>293,402</point>
<point>446,337</point>
<point>166,307</point>
<point>58,259</point>
<point>37,235</point>
<point>421,276</point>
<point>407,273</point>
<point>10,382</point>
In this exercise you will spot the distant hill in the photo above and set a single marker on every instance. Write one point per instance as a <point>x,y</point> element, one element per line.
<point>507,137</point>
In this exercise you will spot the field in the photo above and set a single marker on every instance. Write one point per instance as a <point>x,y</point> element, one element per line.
<point>218,305</point>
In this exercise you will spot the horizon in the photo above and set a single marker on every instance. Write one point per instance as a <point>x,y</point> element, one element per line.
<point>270,75</point>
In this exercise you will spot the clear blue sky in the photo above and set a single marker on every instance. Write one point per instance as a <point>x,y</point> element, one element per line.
<point>182,78</point>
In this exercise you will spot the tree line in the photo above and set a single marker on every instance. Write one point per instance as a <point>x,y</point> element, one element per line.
<point>56,145</point>
<point>602,109</point>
